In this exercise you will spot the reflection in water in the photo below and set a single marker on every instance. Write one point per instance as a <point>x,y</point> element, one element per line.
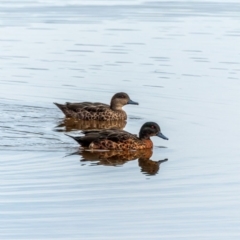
<point>117,158</point>
<point>73,124</point>
<point>149,166</point>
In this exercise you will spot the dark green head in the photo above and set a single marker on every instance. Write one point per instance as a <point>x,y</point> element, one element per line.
<point>150,129</point>
<point>119,100</point>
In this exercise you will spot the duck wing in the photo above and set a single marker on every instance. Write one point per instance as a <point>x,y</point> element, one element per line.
<point>85,110</point>
<point>87,106</point>
<point>114,135</point>
<point>107,139</point>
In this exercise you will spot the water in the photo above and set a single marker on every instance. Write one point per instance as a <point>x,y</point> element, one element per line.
<point>179,59</point>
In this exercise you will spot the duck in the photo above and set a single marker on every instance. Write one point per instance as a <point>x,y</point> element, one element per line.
<point>116,139</point>
<point>98,111</point>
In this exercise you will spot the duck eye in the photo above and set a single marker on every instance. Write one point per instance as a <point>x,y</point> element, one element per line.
<point>122,96</point>
<point>152,126</point>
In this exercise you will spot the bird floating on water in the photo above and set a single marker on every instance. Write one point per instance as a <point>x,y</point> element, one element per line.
<point>115,139</point>
<point>98,111</point>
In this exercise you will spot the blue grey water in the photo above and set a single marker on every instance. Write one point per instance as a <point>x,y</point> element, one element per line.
<point>179,59</point>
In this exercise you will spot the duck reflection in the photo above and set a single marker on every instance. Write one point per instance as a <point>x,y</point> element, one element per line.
<point>150,167</point>
<point>117,158</point>
<point>73,124</point>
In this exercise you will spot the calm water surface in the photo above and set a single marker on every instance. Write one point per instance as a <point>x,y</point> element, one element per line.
<point>180,60</point>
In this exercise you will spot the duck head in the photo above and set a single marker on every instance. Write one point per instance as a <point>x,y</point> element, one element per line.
<point>150,129</point>
<point>119,100</point>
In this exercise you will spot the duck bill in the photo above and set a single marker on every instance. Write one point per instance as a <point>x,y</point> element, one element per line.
<point>162,136</point>
<point>132,102</point>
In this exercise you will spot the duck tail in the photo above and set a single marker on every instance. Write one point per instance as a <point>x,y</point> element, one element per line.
<point>62,107</point>
<point>77,139</point>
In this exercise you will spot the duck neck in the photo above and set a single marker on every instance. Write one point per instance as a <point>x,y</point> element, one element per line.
<point>115,106</point>
<point>144,136</point>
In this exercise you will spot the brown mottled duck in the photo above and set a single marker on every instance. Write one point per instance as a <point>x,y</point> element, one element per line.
<point>98,111</point>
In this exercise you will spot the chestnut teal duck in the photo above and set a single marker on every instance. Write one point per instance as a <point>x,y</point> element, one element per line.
<point>115,139</point>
